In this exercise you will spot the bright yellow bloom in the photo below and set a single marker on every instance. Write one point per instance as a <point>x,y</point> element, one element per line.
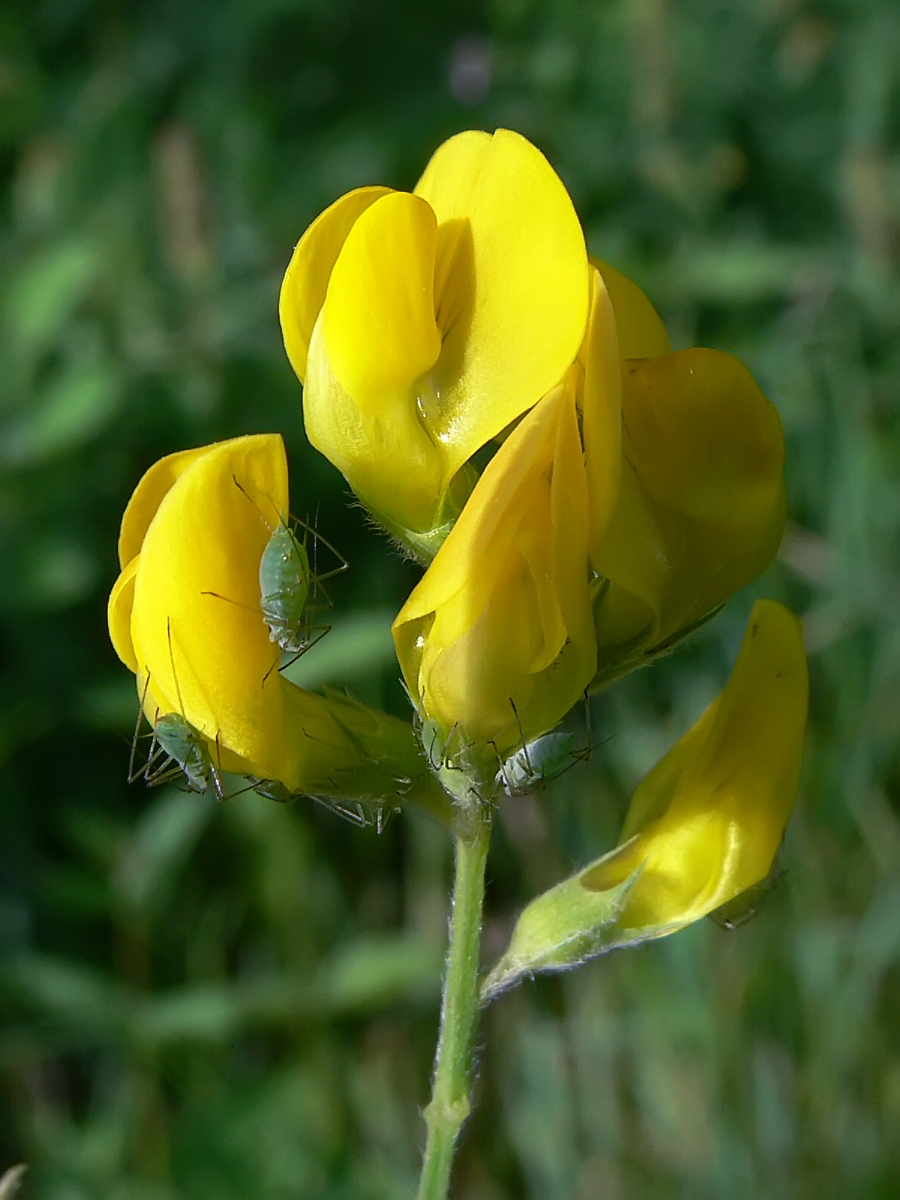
<point>497,640</point>
<point>703,826</point>
<point>185,616</point>
<point>423,324</point>
<point>701,502</point>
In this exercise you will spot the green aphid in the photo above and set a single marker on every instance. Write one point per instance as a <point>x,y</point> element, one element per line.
<point>186,755</point>
<point>537,762</point>
<point>290,587</point>
<point>284,585</point>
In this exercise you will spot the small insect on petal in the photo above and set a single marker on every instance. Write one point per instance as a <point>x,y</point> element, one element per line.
<point>536,763</point>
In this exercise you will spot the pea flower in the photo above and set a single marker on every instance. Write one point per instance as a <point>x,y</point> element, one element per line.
<point>185,616</point>
<point>497,640</point>
<point>701,502</point>
<point>703,827</point>
<point>423,324</point>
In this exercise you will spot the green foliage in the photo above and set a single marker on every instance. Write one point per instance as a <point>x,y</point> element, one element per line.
<point>239,1000</point>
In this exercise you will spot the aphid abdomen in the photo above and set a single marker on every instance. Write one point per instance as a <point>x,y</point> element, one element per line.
<point>284,582</point>
<point>186,747</point>
<point>536,763</point>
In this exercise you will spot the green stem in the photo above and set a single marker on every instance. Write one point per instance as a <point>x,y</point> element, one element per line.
<point>449,1105</point>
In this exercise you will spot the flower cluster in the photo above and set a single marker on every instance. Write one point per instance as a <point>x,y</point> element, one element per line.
<point>581,496</point>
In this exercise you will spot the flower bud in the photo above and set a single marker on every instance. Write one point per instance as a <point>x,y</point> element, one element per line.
<point>423,324</point>
<point>703,827</point>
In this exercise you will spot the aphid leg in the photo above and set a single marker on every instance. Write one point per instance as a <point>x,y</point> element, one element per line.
<point>521,735</point>
<point>134,775</point>
<point>215,773</point>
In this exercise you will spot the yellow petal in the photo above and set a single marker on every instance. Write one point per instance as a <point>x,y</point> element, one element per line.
<point>602,411</point>
<point>306,280</point>
<point>121,602</point>
<point>511,285</point>
<point>701,505</point>
<point>196,625</point>
<point>378,316</point>
<point>640,328</point>
<point>701,432</point>
<point>142,506</point>
<point>385,452</point>
<point>707,821</point>
<point>498,632</point>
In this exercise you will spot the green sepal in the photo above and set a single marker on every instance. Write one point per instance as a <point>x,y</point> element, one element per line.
<point>423,545</point>
<point>562,928</point>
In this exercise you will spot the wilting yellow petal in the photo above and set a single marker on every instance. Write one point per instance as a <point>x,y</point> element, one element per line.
<point>497,639</point>
<point>306,279</point>
<point>706,822</point>
<point>640,329</point>
<point>512,285</point>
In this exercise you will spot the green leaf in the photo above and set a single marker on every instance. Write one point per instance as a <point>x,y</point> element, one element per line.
<point>75,407</point>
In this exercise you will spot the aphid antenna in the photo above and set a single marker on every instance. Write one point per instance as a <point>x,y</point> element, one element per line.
<point>174,672</point>
<point>216,774</point>
<point>240,487</point>
<point>501,767</point>
<point>237,603</point>
<point>133,775</point>
<point>317,537</point>
<point>313,529</point>
<point>512,705</point>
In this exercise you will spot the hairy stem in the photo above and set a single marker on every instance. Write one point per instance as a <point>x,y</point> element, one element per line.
<point>449,1105</point>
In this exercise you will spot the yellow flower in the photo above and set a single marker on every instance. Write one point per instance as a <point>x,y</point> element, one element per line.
<point>703,826</point>
<point>500,624</point>
<point>185,616</point>
<point>423,324</point>
<point>701,502</point>
<point>497,642</point>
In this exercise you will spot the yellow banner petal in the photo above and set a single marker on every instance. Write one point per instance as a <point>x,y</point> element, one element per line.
<point>512,285</point>
<point>146,499</point>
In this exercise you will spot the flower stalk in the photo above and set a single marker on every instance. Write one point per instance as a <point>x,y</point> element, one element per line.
<point>450,1099</point>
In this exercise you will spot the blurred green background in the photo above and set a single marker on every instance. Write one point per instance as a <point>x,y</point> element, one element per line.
<point>237,1001</point>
